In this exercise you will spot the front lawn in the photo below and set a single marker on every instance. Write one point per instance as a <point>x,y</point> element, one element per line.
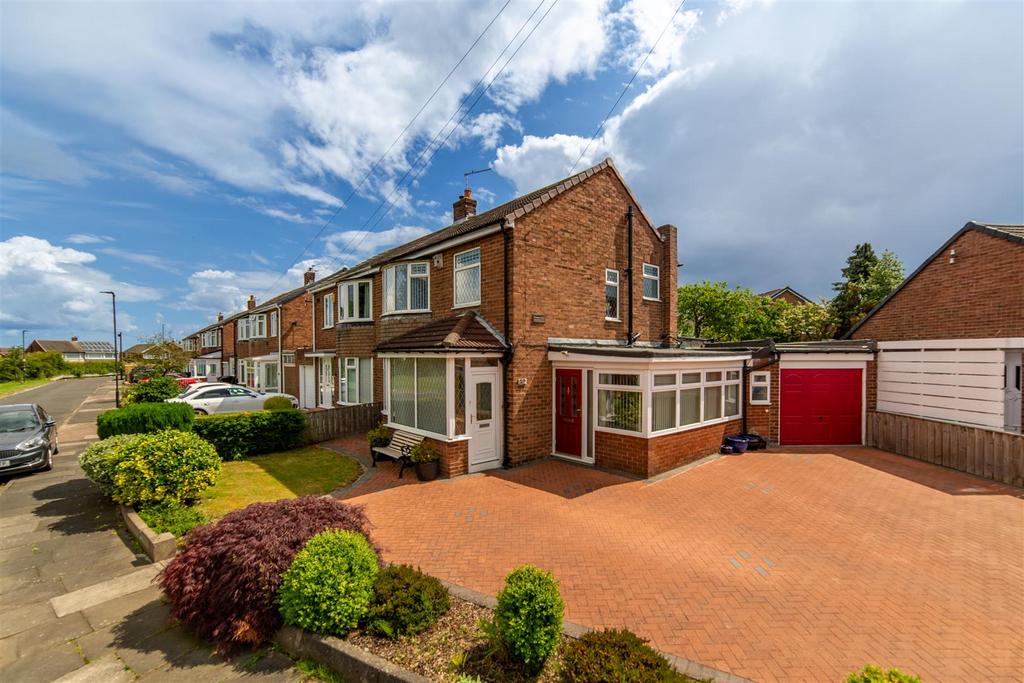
<point>290,474</point>
<point>12,386</point>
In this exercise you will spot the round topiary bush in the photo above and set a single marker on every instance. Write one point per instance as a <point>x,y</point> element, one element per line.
<point>615,656</point>
<point>277,403</point>
<point>329,584</point>
<point>528,618</point>
<point>875,674</point>
<point>405,602</point>
<point>98,460</point>
<point>224,582</point>
<point>163,466</point>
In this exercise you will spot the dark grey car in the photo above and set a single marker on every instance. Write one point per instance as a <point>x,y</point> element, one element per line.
<point>28,439</point>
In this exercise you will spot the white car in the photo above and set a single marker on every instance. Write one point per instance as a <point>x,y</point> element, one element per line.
<point>228,398</point>
<point>191,389</point>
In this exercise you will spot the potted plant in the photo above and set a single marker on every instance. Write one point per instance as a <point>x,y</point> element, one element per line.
<point>378,436</point>
<point>426,458</point>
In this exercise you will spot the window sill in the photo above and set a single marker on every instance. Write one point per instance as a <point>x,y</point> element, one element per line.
<point>418,311</point>
<point>355,320</point>
<point>656,301</point>
<point>423,432</point>
<point>612,320</point>
<point>761,403</point>
<point>469,305</point>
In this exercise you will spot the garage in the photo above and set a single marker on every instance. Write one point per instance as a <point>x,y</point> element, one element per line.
<point>820,406</point>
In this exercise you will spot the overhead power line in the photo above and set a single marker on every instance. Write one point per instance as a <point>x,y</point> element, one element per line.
<point>621,94</point>
<point>394,142</point>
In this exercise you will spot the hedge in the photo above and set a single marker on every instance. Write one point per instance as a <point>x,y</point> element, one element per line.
<point>140,418</point>
<point>237,435</point>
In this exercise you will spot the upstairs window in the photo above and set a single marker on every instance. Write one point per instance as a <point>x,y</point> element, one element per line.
<point>354,301</point>
<point>652,282</point>
<point>243,329</point>
<point>273,323</point>
<point>611,294</point>
<point>407,288</point>
<point>467,278</point>
<point>258,326</point>
<point>328,310</point>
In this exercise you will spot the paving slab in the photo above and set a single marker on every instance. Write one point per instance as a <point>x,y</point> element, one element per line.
<point>109,669</point>
<point>105,591</point>
<point>57,661</point>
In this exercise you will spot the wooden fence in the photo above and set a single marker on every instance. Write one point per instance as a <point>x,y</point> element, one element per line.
<point>341,421</point>
<point>983,452</point>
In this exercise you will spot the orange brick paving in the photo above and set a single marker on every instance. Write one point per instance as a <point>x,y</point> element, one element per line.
<point>800,565</point>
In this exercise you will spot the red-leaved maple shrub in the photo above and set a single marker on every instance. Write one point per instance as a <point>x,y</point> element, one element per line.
<point>224,583</point>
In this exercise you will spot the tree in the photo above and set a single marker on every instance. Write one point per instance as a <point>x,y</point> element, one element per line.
<point>165,355</point>
<point>807,322</point>
<point>867,279</point>
<point>716,311</point>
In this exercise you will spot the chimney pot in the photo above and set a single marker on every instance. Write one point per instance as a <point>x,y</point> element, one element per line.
<point>252,302</point>
<point>464,207</point>
<point>308,277</point>
<point>220,317</point>
<point>74,338</point>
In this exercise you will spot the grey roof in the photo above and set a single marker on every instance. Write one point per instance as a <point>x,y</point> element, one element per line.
<point>512,209</point>
<point>1010,233</point>
<point>68,346</point>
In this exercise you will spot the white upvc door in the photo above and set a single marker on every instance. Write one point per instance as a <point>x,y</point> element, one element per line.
<point>307,386</point>
<point>483,412</point>
<point>1012,391</point>
<point>326,382</point>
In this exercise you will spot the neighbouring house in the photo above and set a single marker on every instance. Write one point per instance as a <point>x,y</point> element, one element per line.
<point>269,337</point>
<point>543,326</point>
<point>207,347</point>
<point>787,294</point>
<point>150,351</point>
<point>951,336</point>
<point>74,350</point>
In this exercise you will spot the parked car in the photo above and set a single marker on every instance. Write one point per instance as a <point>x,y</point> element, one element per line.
<point>191,389</point>
<point>141,373</point>
<point>228,399</point>
<point>28,439</point>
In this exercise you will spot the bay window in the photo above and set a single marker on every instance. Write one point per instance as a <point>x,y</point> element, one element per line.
<point>652,282</point>
<point>417,393</point>
<point>357,380</point>
<point>467,278</point>
<point>355,302</point>
<point>407,288</point>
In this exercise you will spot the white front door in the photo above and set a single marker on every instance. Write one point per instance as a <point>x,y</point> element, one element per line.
<point>483,408</point>
<point>326,382</point>
<point>307,386</point>
<point>1012,390</point>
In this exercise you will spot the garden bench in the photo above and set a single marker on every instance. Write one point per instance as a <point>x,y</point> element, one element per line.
<point>399,449</point>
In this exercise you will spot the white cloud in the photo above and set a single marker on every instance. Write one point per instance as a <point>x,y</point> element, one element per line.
<point>643,22</point>
<point>790,132</point>
<point>46,287</point>
<point>87,238</point>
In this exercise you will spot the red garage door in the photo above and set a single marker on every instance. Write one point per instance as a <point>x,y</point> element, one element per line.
<point>820,407</point>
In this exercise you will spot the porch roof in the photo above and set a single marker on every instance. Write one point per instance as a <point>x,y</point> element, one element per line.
<point>467,332</point>
<point>602,347</point>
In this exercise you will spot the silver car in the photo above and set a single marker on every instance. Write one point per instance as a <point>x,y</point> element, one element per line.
<point>28,439</point>
<point>228,399</point>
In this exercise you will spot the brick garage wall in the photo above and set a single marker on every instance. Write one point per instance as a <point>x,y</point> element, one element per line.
<point>980,295</point>
<point>764,419</point>
<point>555,276</point>
<point>649,457</point>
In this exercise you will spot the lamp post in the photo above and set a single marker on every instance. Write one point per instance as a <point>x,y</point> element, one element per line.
<point>117,385</point>
<point>23,349</point>
<point>119,354</point>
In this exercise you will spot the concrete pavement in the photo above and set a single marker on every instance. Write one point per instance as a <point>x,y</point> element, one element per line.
<point>63,550</point>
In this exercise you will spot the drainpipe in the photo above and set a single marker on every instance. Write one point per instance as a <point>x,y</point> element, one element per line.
<point>506,358</point>
<point>630,338</point>
<point>280,358</point>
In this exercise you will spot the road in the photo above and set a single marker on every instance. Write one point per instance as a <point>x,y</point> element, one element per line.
<point>61,539</point>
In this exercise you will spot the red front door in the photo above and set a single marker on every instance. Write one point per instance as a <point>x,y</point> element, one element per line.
<point>820,407</point>
<point>568,412</point>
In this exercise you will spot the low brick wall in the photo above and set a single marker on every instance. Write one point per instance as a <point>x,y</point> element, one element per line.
<point>987,453</point>
<point>156,546</point>
<point>650,457</point>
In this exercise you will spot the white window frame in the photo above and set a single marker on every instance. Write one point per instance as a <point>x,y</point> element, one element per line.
<point>656,278</point>
<point>288,358</point>
<point>609,282</point>
<point>273,324</point>
<point>458,269</point>
<point>349,292</point>
<point>353,362</point>
<point>262,373</point>
<point>761,379</point>
<point>242,327</point>
<point>390,305</point>
<point>639,388</point>
<point>328,310</point>
<point>258,326</point>
<point>211,338</point>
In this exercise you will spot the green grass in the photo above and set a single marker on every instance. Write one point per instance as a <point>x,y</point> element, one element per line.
<point>290,474</point>
<point>177,519</point>
<point>11,387</point>
<point>314,671</point>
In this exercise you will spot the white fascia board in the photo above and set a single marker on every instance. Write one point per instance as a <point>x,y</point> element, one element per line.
<point>804,358</point>
<point>440,354</point>
<point>561,357</point>
<point>987,343</point>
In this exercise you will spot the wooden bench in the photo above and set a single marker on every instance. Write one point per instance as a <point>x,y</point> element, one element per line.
<point>399,449</point>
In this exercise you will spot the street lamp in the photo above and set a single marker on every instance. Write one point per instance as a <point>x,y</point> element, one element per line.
<point>23,340</point>
<point>120,354</point>
<point>117,385</point>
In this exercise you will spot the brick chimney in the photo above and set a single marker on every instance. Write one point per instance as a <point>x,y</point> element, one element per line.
<point>252,302</point>
<point>220,317</point>
<point>308,277</point>
<point>464,207</point>
<point>74,338</point>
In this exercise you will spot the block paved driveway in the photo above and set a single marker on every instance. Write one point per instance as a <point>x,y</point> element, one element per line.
<point>798,565</point>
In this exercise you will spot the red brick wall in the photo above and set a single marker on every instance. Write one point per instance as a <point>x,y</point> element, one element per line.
<point>764,419</point>
<point>980,295</point>
<point>559,255</point>
<point>649,457</point>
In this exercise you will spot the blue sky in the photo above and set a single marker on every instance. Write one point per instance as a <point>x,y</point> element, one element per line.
<point>185,153</point>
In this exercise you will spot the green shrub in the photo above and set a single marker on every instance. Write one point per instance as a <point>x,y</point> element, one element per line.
<point>405,602</point>
<point>424,452</point>
<point>140,418</point>
<point>379,436</point>
<point>99,460</point>
<point>172,517</point>
<point>528,618</point>
<point>875,674</point>
<point>329,584</point>
<point>237,435</point>
<point>277,403</point>
<point>156,390</point>
<point>615,656</point>
<point>91,367</point>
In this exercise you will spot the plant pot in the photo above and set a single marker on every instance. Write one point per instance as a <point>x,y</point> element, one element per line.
<point>427,471</point>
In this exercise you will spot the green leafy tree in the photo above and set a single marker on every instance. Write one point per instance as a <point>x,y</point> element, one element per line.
<point>867,279</point>
<point>882,280</point>
<point>164,355</point>
<point>717,311</point>
<point>807,322</point>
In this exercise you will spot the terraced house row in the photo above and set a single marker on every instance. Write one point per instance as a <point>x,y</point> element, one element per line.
<point>543,326</point>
